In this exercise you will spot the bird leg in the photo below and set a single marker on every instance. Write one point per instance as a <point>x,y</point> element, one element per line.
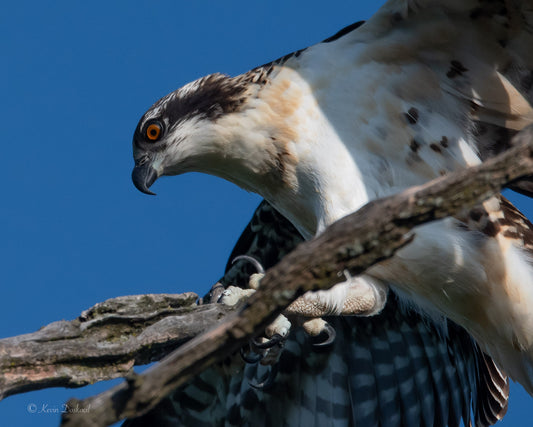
<point>361,295</point>
<point>356,296</point>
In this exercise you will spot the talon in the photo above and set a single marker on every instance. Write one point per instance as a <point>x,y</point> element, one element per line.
<point>267,381</point>
<point>215,292</point>
<point>330,335</point>
<point>252,260</point>
<point>274,340</point>
<point>250,357</point>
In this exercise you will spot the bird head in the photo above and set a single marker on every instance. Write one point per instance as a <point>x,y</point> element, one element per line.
<point>240,129</point>
<point>180,132</point>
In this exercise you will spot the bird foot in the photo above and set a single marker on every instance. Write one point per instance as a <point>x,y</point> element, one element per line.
<point>269,346</point>
<point>361,295</point>
<point>232,295</point>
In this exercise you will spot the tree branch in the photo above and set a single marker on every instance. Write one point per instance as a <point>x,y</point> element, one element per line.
<point>104,342</point>
<point>355,242</point>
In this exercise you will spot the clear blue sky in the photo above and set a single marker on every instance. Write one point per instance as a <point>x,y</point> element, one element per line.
<point>75,78</point>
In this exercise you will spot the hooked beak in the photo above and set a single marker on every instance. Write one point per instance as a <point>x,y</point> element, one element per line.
<point>143,176</point>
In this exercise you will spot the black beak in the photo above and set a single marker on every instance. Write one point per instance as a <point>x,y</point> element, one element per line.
<point>143,176</point>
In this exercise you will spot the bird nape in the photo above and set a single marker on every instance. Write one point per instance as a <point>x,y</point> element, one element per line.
<point>422,89</point>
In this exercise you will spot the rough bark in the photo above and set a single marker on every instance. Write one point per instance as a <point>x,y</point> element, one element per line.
<point>105,341</point>
<point>355,242</point>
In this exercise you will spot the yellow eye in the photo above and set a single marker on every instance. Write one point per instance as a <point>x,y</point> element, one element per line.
<point>153,131</point>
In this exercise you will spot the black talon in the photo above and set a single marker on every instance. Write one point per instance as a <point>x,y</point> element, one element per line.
<point>216,292</point>
<point>249,358</point>
<point>267,381</point>
<point>255,263</point>
<point>328,340</point>
<point>273,341</point>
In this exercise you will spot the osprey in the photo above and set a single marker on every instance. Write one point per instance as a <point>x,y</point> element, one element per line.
<point>421,89</point>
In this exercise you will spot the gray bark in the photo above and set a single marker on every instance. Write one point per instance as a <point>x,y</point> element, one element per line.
<point>107,340</point>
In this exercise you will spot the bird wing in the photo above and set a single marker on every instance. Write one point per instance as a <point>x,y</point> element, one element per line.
<point>480,52</point>
<point>395,369</point>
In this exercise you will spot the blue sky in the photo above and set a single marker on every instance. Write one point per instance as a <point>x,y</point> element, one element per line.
<point>75,78</point>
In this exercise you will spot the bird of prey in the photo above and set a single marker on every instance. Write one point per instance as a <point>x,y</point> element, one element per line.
<point>421,89</point>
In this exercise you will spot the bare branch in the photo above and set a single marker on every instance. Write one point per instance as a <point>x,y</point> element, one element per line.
<point>104,342</point>
<point>355,242</point>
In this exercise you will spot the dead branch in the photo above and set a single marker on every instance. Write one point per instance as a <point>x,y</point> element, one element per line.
<point>355,242</point>
<point>104,342</point>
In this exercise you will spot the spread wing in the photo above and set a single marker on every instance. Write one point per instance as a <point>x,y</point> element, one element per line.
<point>480,51</point>
<point>396,368</point>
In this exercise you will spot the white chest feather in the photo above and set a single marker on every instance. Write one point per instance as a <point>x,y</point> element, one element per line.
<point>354,142</point>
